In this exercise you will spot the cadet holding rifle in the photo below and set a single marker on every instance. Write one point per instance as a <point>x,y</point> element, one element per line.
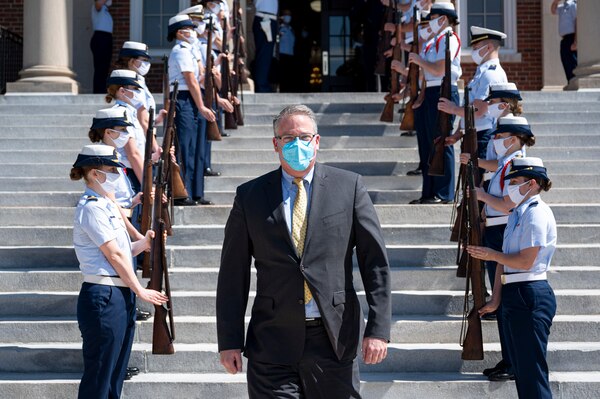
<point>106,304</point>
<point>438,189</point>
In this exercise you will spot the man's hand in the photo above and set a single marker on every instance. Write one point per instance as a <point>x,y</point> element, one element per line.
<point>207,113</point>
<point>448,106</point>
<point>231,359</point>
<point>374,350</point>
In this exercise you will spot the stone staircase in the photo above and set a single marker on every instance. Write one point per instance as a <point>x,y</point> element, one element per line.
<point>40,344</point>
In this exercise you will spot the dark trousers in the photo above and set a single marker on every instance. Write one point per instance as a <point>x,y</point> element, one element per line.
<point>263,55</point>
<point>427,131</point>
<point>527,312</point>
<point>203,152</point>
<point>101,46</point>
<point>483,139</point>
<point>186,121</point>
<point>319,374</point>
<point>568,57</point>
<point>106,317</point>
<point>493,238</point>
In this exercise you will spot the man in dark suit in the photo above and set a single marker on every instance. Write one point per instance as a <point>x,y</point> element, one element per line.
<point>301,224</point>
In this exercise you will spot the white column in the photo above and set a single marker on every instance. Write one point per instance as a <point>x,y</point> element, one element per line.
<point>46,48</point>
<point>587,73</point>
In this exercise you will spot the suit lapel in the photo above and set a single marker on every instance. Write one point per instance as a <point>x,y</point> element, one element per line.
<point>274,195</point>
<point>317,197</point>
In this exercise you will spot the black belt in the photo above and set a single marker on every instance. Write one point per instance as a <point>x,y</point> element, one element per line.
<point>315,322</point>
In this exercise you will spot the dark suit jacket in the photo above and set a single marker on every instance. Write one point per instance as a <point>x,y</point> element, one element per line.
<point>341,218</point>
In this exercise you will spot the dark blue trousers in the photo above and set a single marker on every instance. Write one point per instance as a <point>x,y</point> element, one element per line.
<point>106,317</point>
<point>203,150</point>
<point>568,57</point>
<point>263,55</point>
<point>186,121</point>
<point>483,138</point>
<point>493,238</point>
<point>427,131</point>
<point>527,312</point>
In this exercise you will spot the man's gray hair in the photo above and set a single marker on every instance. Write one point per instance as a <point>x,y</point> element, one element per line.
<point>290,110</point>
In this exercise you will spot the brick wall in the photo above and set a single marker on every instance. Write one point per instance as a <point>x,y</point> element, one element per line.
<point>527,74</point>
<point>11,15</point>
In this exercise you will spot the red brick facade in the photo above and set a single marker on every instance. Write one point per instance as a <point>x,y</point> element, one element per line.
<point>527,74</point>
<point>11,16</point>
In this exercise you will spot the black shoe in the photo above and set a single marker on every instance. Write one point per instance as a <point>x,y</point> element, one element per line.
<point>128,376</point>
<point>225,134</point>
<point>489,316</point>
<point>141,315</point>
<point>185,202</point>
<point>410,133</point>
<point>416,201</point>
<point>133,370</point>
<point>209,172</point>
<point>501,375</point>
<point>204,201</point>
<point>416,172</point>
<point>501,365</point>
<point>434,200</point>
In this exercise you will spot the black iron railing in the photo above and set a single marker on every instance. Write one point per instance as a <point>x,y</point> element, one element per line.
<point>11,57</point>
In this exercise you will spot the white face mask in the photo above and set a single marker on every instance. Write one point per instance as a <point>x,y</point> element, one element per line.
<point>424,33</point>
<point>499,147</point>
<point>138,99</point>
<point>121,140</point>
<point>110,184</point>
<point>190,36</point>
<point>515,195</point>
<point>215,8</point>
<point>477,57</point>
<point>496,110</point>
<point>200,29</point>
<point>143,68</point>
<point>419,5</point>
<point>436,24</point>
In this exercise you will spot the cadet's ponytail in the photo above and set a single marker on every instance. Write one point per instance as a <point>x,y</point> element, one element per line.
<point>111,92</point>
<point>80,173</point>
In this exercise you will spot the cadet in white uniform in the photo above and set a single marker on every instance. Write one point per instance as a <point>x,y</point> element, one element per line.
<point>528,302</point>
<point>106,304</point>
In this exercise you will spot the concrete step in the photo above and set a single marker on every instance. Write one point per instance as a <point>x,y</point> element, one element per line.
<point>373,385</point>
<point>202,329</point>
<point>203,358</point>
<point>218,214</point>
<point>205,279</point>
<point>417,234</point>
<point>44,257</point>
<point>202,303</point>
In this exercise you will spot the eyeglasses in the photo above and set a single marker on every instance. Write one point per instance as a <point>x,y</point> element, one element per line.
<point>287,138</point>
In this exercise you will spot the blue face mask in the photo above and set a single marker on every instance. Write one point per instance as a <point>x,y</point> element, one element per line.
<point>298,154</point>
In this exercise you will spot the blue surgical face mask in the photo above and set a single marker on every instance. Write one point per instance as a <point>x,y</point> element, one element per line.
<point>287,19</point>
<point>298,154</point>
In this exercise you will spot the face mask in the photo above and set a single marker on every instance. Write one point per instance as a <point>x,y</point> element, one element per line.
<point>514,193</point>
<point>424,33</point>
<point>495,111</point>
<point>137,100</point>
<point>108,3</point>
<point>193,36</point>
<point>286,19</point>
<point>298,154</point>
<point>200,29</point>
<point>143,68</point>
<point>499,147</point>
<point>436,24</point>
<point>477,57</point>
<point>215,8</point>
<point>419,5</point>
<point>110,183</point>
<point>121,140</point>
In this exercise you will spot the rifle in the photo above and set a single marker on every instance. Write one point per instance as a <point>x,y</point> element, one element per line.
<point>212,129</point>
<point>147,189</point>
<point>436,161</point>
<point>384,39</point>
<point>473,339</point>
<point>230,121</point>
<point>237,64</point>
<point>408,119</point>
<point>387,115</point>
<point>165,82</point>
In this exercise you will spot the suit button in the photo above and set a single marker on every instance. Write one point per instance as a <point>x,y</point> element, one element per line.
<point>300,301</point>
<point>302,267</point>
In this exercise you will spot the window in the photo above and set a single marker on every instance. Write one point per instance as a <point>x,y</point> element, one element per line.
<point>493,14</point>
<point>149,21</point>
<point>340,49</point>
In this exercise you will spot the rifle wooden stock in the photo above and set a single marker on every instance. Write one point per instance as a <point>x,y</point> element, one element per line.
<point>408,119</point>
<point>387,115</point>
<point>436,162</point>
<point>230,122</point>
<point>178,189</point>
<point>147,189</point>
<point>473,343</point>
<point>212,129</point>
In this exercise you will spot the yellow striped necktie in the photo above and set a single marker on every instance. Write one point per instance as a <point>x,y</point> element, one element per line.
<point>299,226</point>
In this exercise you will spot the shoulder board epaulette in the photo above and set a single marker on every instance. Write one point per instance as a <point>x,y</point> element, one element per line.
<point>91,198</point>
<point>533,204</point>
<point>493,67</point>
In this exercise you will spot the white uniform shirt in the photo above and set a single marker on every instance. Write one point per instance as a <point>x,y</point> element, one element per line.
<point>531,224</point>
<point>149,98</point>
<point>488,73</point>
<point>267,6</point>
<point>123,191</point>
<point>497,183</point>
<point>136,131</point>
<point>437,52</point>
<point>102,20</point>
<point>182,59</point>
<point>567,16</point>
<point>98,221</point>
